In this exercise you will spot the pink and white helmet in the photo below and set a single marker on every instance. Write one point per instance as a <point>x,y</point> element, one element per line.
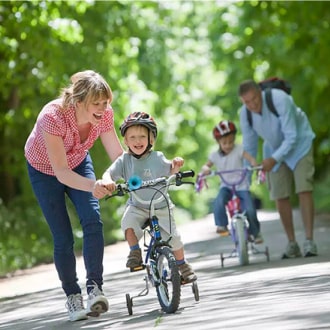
<point>224,128</point>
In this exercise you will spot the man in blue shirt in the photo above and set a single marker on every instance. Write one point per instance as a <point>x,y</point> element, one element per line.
<point>287,156</point>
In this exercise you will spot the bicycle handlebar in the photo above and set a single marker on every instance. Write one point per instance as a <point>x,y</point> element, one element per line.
<point>244,169</point>
<point>135,183</point>
<point>237,176</point>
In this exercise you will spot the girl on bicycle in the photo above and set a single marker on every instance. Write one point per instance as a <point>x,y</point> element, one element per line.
<point>140,132</point>
<point>230,156</point>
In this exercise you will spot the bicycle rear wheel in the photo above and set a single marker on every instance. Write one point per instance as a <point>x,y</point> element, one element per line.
<point>241,240</point>
<point>169,288</point>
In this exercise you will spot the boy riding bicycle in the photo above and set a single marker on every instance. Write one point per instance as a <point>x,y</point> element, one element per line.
<point>140,132</point>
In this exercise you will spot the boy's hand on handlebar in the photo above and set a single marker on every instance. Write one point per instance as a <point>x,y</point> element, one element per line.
<point>177,163</point>
<point>103,188</point>
<point>109,185</point>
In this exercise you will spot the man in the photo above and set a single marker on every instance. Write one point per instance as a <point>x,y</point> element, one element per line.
<point>287,156</point>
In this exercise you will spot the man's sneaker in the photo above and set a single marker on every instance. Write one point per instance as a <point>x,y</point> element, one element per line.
<point>75,307</point>
<point>97,303</point>
<point>258,239</point>
<point>292,251</point>
<point>187,273</point>
<point>222,230</point>
<point>134,259</point>
<point>310,249</point>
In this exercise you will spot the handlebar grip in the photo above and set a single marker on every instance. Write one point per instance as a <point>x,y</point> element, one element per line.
<point>187,174</point>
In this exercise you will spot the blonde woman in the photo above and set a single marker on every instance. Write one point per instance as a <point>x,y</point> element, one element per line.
<point>59,164</point>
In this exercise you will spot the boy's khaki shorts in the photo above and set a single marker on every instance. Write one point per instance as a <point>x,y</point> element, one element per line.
<point>135,218</point>
<point>280,183</point>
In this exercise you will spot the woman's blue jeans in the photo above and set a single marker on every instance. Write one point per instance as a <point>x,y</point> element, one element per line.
<point>50,194</point>
<point>219,209</point>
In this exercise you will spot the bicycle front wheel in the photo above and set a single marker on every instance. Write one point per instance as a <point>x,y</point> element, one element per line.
<point>169,287</point>
<point>241,240</point>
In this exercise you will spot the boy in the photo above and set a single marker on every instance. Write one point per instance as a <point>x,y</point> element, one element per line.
<point>140,131</point>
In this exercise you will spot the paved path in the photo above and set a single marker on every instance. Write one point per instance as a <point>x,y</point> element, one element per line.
<point>279,295</point>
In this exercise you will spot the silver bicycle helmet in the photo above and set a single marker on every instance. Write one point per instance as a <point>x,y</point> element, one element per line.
<point>139,118</point>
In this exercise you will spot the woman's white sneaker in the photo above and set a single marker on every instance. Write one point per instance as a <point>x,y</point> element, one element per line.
<point>97,303</point>
<point>75,307</point>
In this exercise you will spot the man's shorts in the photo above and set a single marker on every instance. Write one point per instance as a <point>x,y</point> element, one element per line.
<point>280,183</point>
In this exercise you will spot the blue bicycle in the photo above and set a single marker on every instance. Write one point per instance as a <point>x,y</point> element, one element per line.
<point>160,263</point>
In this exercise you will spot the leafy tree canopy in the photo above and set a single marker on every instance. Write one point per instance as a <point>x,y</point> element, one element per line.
<point>181,61</point>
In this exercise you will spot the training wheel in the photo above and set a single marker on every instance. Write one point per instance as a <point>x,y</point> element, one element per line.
<point>195,291</point>
<point>267,253</point>
<point>222,258</point>
<point>129,303</point>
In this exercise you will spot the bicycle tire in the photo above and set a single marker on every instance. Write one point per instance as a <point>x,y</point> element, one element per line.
<point>241,241</point>
<point>129,304</point>
<point>195,290</point>
<point>169,287</point>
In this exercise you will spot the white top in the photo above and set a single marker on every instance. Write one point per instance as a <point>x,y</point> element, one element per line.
<point>231,161</point>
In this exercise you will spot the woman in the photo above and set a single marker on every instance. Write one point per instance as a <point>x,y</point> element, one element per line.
<point>59,163</point>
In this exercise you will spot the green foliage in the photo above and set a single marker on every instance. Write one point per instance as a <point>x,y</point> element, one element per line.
<point>24,237</point>
<point>181,61</point>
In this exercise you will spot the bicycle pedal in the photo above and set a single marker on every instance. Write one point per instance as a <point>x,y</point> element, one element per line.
<point>224,233</point>
<point>137,268</point>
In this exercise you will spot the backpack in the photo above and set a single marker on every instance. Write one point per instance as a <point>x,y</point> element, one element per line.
<point>267,85</point>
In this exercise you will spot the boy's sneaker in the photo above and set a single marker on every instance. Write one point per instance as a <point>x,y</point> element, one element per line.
<point>187,273</point>
<point>258,239</point>
<point>292,251</point>
<point>75,307</point>
<point>134,259</point>
<point>222,230</point>
<point>310,249</point>
<point>97,303</point>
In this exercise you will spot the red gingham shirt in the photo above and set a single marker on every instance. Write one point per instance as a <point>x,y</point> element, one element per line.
<point>54,120</point>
